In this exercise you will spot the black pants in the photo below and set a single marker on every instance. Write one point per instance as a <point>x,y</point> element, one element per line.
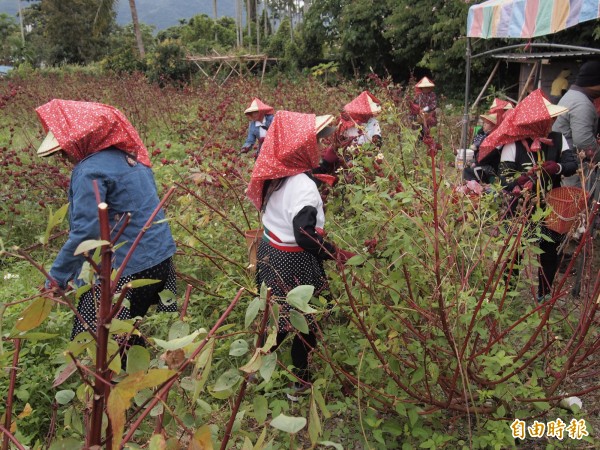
<point>302,345</point>
<point>548,260</point>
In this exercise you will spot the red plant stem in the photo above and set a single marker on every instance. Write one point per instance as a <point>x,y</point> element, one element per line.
<point>11,391</point>
<point>122,229</point>
<point>204,243</point>
<point>237,198</point>
<point>186,301</point>
<point>212,208</point>
<point>242,392</point>
<point>117,306</point>
<point>140,235</point>
<point>81,369</point>
<point>158,427</point>
<point>166,386</point>
<point>102,323</point>
<point>9,436</point>
<point>64,300</point>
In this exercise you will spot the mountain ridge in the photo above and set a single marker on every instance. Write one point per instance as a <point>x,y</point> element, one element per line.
<point>159,13</point>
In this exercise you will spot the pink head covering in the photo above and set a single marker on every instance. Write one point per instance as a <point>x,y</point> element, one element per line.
<point>530,119</point>
<point>363,107</point>
<point>83,128</point>
<point>290,148</point>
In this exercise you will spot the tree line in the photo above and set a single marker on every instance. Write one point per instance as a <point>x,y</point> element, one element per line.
<point>351,37</point>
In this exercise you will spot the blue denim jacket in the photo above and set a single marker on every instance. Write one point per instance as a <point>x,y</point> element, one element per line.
<point>254,131</point>
<point>126,189</point>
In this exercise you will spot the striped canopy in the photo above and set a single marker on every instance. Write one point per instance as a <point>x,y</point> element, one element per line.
<point>528,18</point>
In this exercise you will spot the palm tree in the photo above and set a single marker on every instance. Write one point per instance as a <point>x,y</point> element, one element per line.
<point>136,29</point>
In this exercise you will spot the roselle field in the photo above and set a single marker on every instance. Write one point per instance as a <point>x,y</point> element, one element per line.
<point>426,346</point>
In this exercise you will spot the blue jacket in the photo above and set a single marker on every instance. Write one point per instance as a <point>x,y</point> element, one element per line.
<point>254,131</point>
<point>126,189</point>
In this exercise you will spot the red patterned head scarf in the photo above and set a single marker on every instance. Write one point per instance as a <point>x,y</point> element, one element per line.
<point>530,119</point>
<point>359,110</point>
<point>258,106</point>
<point>290,148</point>
<point>83,128</point>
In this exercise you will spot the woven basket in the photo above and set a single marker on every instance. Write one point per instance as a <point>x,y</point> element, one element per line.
<point>567,202</point>
<point>253,238</point>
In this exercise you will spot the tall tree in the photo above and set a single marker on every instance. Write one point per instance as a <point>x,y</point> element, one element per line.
<point>77,31</point>
<point>136,29</point>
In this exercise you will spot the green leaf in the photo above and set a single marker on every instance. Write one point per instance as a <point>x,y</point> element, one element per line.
<point>32,336</point>
<point>54,219</point>
<point>300,296</point>
<point>254,364</point>
<point>356,260</point>
<point>321,402</point>
<point>167,297</point>
<point>288,424</point>
<point>118,326</point>
<point>65,396</point>
<point>82,290</point>
<point>417,375</point>
<point>88,245</point>
<point>178,330</point>
<point>252,311</point>
<point>269,363</point>
<point>140,282</point>
<point>314,425</point>
<point>238,348</point>
<point>157,442</point>
<point>120,397</point>
<point>542,406</point>
<point>330,444</point>
<point>138,359</point>
<point>260,405</point>
<point>178,343</point>
<point>227,380</point>
<point>67,444</point>
<point>298,321</point>
<point>34,314</point>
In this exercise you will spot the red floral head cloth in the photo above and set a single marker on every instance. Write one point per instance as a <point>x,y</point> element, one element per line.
<point>83,128</point>
<point>360,110</point>
<point>290,148</point>
<point>530,119</point>
<point>258,106</point>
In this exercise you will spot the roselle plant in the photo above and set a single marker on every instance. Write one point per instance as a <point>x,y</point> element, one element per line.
<point>434,339</point>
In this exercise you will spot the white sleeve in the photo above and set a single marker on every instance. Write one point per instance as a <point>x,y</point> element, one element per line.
<point>509,152</point>
<point>565,144</point>
<point>372,128</point>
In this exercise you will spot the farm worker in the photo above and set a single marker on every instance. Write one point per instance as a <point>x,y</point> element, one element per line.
<point>486,168</point>
<point>358,125</point>
<point>293,249</point>
<point>260,116</point>
<point>485,172</point>
<point>424,105</point>
<point>104,147</point>
<point>559,85</point>
<point>580,125</point>
<point>532,153</point>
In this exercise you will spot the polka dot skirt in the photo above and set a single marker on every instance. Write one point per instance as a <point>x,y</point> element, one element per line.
<point>140,299</point>
<point>282,271</point>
